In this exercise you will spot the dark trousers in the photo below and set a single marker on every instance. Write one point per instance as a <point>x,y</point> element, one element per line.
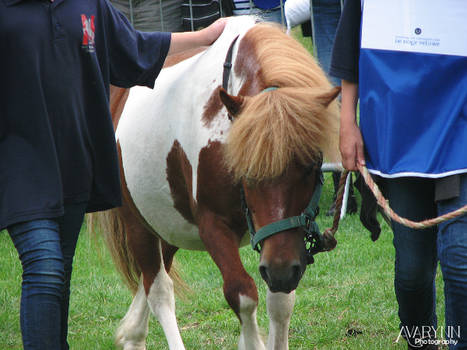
<point>417,255</point>
<point>46,249</point>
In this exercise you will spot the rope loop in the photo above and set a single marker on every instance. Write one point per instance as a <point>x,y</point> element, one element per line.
<point>383,203</point>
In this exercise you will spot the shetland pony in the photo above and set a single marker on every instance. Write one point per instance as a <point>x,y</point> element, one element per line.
<point>192,152</point>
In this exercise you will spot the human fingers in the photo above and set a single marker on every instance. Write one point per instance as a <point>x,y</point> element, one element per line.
<point>216,29</point>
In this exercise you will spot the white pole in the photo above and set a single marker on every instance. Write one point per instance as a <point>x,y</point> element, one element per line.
<point>191,17</point>
<point>282,14</point>
<point>313,33</point>
<point>161,14</point>
<point>131,12</point>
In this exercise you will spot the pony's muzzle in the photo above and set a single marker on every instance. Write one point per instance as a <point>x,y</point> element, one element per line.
<point>281,277</point>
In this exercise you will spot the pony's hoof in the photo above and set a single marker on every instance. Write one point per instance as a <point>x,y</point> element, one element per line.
<point>126,344</point>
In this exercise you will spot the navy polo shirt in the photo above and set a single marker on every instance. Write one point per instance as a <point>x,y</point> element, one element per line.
<point>57,144</point>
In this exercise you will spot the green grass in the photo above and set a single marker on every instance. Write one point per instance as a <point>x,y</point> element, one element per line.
<point>348,289</point>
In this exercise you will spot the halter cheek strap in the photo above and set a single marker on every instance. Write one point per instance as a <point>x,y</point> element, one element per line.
<point>228,64</point>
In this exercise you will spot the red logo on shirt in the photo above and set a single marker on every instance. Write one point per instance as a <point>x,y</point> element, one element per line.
<point>88,33</point>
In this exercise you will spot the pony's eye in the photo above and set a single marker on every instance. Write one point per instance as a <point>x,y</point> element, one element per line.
<point>309,170</point>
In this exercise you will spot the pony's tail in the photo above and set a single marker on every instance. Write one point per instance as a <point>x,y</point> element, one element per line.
<point>110,225</point>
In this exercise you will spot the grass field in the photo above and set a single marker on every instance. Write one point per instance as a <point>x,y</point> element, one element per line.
<point>344,301</point>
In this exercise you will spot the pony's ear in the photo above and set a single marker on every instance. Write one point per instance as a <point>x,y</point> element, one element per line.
<point>329,96</point>
<point>232,103</point>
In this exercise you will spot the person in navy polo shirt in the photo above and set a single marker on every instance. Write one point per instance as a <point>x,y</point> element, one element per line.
<point>58,155</point>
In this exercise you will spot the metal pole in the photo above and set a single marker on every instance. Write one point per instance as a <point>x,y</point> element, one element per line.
<point>313,32</point>
<point>191,17</point>
<point>346,196</point>
<point>131,12</point>
<point>161,14</point>
<point>282,13</point>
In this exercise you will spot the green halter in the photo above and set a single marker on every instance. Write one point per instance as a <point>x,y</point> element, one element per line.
<point>305,220</point>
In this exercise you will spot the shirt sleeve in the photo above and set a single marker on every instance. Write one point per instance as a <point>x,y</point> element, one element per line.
<point>346,50</point>
<point>136,58</point>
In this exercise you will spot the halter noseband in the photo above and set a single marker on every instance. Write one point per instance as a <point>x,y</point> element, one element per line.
<point>306,220</point>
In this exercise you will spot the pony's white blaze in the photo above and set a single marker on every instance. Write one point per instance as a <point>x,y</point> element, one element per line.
<point>146,133</point>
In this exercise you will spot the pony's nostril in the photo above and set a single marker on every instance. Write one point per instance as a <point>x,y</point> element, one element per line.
<point>263,270</point>
<point>296,272</point>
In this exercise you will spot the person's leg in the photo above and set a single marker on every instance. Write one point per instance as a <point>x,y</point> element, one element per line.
<point>416,256</point>
<point>69,226</point>
<point>38,246</point>
<point>326,14</point>
<point>452,251</point>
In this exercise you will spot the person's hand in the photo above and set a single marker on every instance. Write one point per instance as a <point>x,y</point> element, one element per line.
<point>213,31</point>
<point>351,146</point>
<point>350,138</point>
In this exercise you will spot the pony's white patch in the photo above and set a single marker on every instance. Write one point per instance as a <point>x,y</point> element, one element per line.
<point>280,308</point>
<point>153,120</point>
<point>133,329</point>
<point>249,336</point>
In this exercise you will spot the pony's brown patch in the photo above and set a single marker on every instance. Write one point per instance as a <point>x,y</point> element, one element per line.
<point>247,64</point>
<point>118,97</point>
<point>216,191</point>
<point>290,123</point>
<point>179,177</point>
<point>212,108</point>
<point>182,56</point>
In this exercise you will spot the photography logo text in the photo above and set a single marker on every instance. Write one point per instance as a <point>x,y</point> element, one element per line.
<point>420,336</point>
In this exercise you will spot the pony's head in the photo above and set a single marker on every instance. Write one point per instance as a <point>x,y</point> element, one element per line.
<point>284,119</point>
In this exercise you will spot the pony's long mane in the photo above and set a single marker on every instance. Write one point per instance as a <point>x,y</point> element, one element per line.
<point>290,123</point>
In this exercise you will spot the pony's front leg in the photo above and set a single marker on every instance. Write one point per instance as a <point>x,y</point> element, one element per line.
<point>239,288</point>
<point>280,307</point>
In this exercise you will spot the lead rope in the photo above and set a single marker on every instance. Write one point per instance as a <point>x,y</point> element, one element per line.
<point>383,203</point>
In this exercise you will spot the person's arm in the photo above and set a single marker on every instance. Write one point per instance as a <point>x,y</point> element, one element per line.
<point>189,40</point>
<point>350,138</point>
